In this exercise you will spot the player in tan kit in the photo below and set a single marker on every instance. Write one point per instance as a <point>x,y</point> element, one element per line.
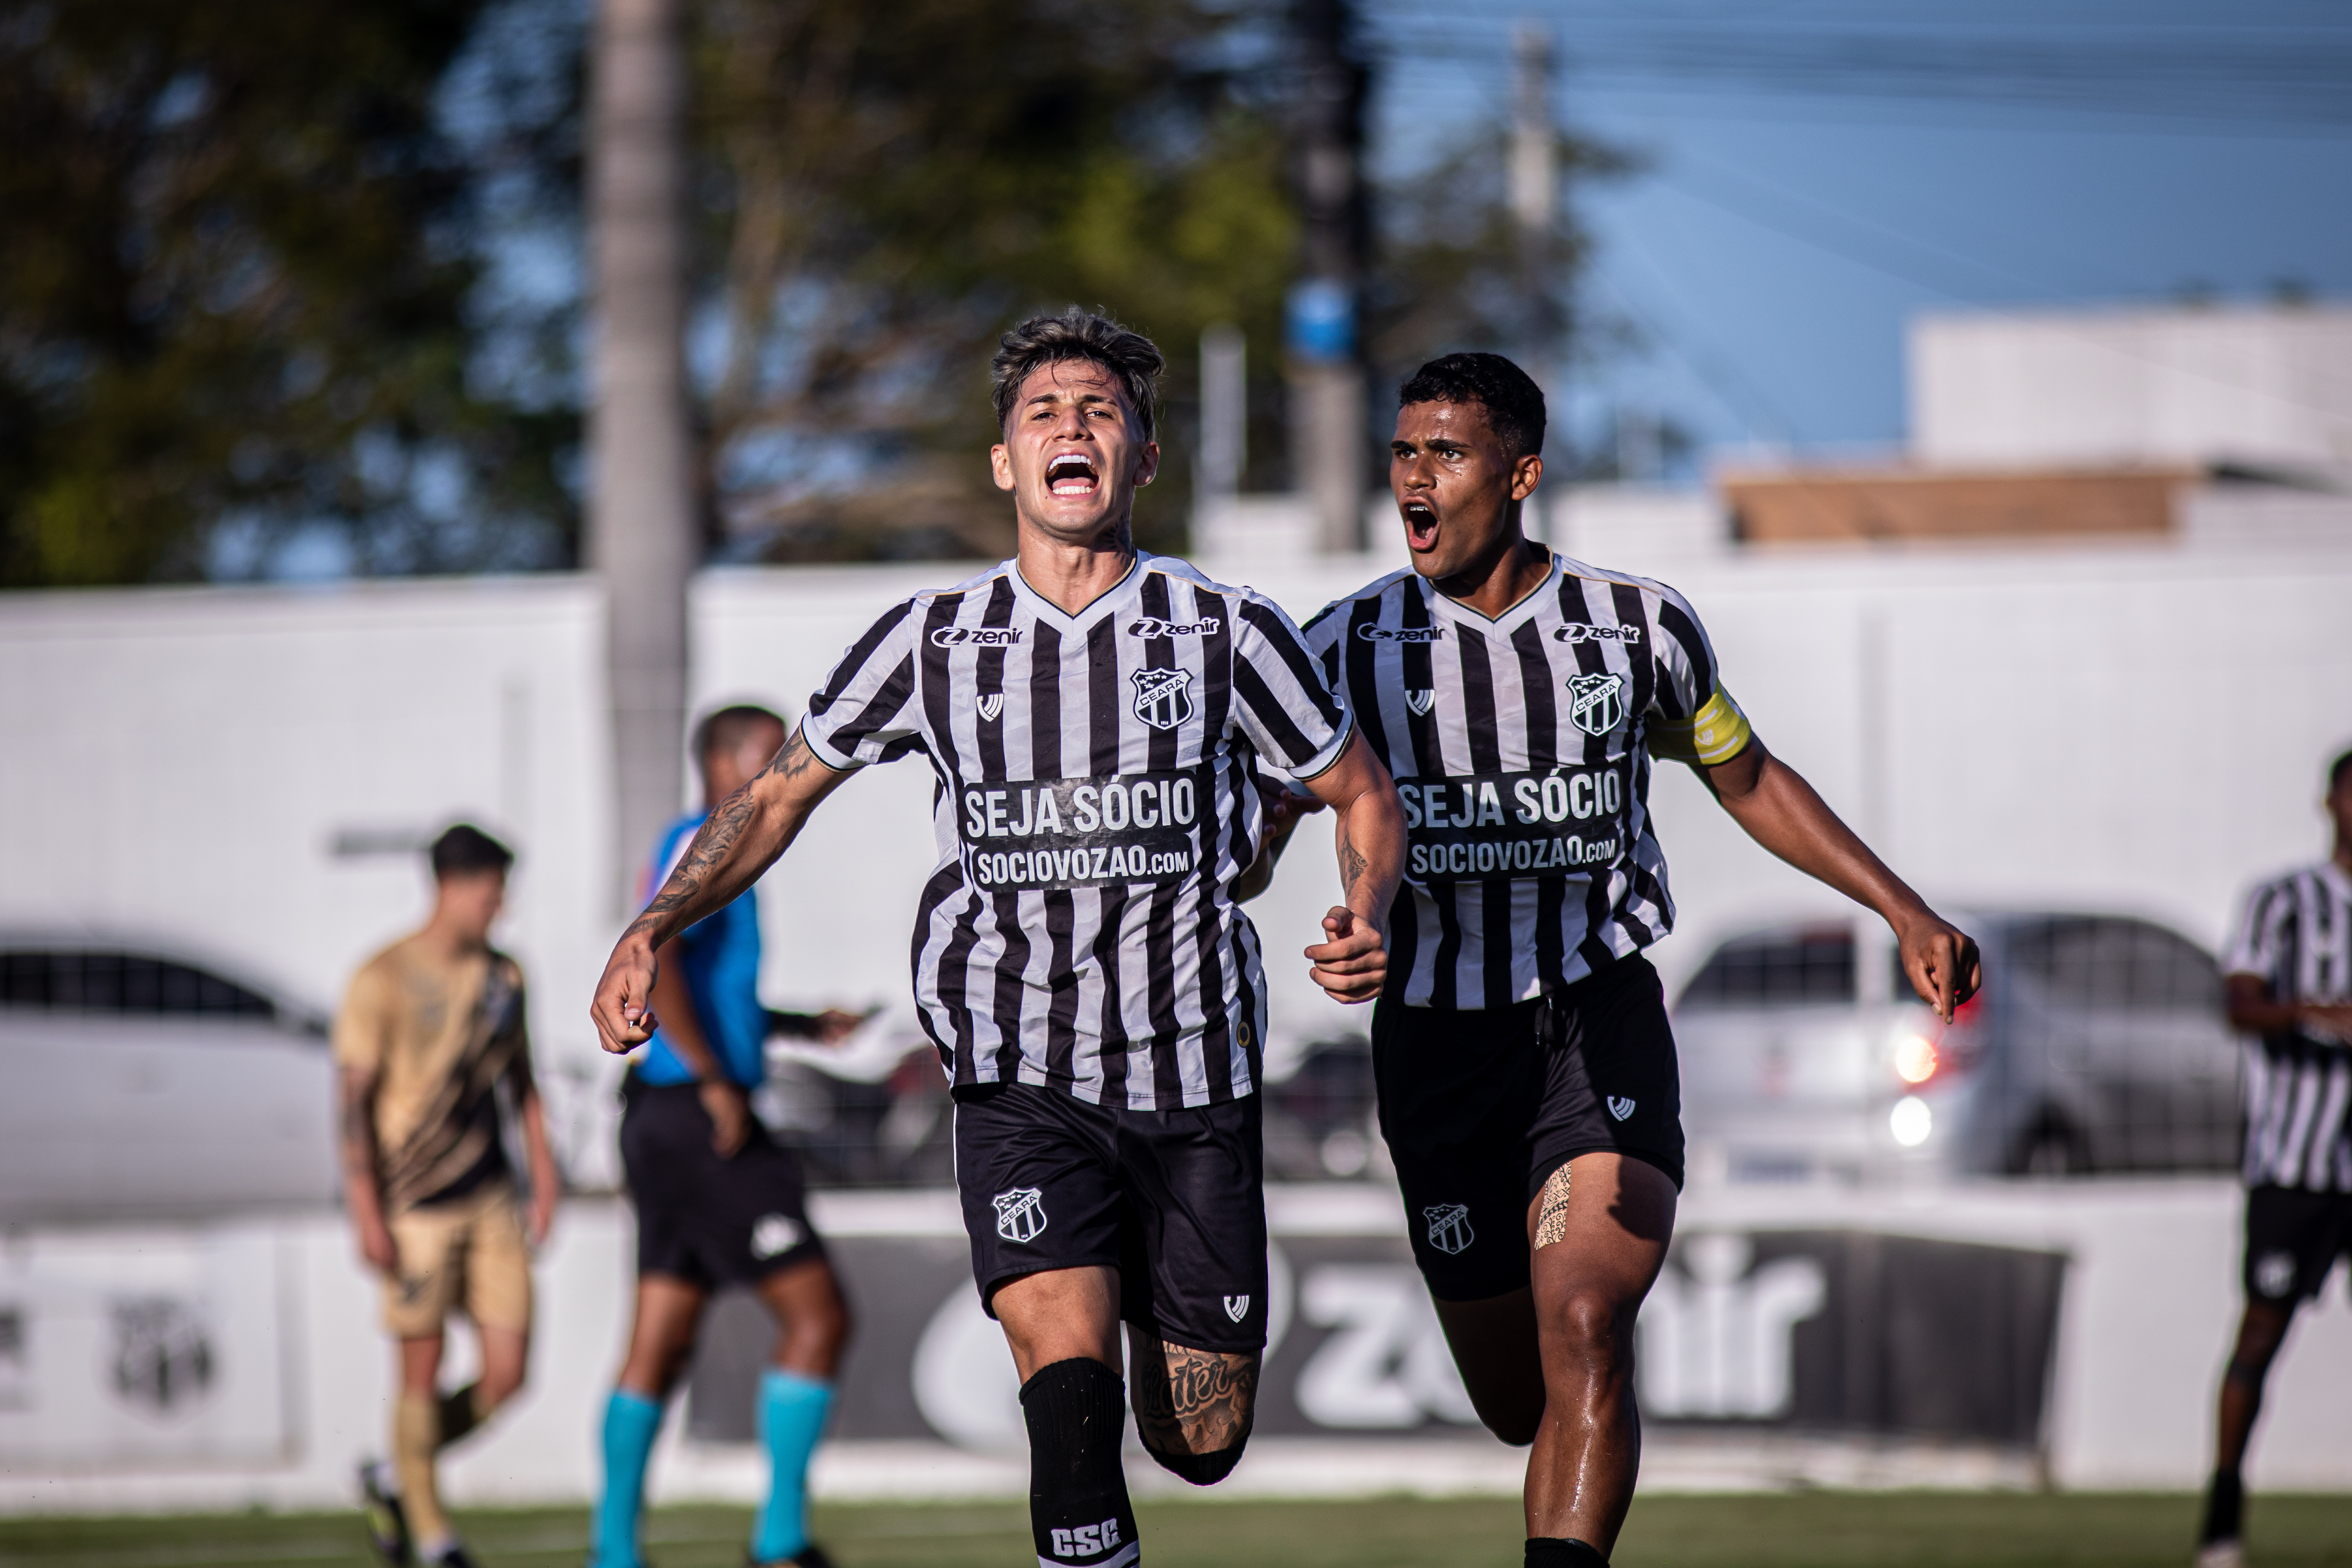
<point>429,1035</point>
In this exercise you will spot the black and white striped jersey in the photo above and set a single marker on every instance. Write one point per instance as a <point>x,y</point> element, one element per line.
<point>1522,749</point>
<point>2295,935</point>
<point>1094,804</point>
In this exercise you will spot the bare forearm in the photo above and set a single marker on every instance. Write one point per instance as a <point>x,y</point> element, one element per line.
<point>737,841</point>
<point>1782,812</point>
<point>681,1026</point>
<point>1369,840</point>
<point>536,1149</point>
<point>355,1142</point>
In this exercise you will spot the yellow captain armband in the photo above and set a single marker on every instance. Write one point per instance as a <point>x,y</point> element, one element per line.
<point>1717,733</point>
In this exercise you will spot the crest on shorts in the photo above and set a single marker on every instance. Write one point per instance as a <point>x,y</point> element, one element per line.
<point>2274,1274</point>
<point>1449,1227</point>
<point>162,1353</point>
<point>1595,703</point>
<point>1619,1107</point>
<point>774,1235</point>
<point>1236,1307</point>
<point>1021,1214</point>
<point>1164,697</point>
<point>992,703</point>
<point>1421,699</point>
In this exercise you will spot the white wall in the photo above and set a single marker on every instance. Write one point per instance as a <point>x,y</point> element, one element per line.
<point>2135,728</point>
<point>179,762</point>
<point>2132,386</point>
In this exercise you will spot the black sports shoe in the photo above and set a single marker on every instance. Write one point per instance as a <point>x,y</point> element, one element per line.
<point>456,1557</point>
<point>387,1522</point>
<point>809,1556</point>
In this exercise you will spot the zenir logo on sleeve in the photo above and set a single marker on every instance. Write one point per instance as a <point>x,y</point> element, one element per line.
<point>1021,1214</point>
<point>1164,697</point>
<point>1595,703</point>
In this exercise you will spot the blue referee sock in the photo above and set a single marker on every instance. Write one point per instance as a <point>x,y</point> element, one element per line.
<point>792,1409</point>
<point>631,1423</point>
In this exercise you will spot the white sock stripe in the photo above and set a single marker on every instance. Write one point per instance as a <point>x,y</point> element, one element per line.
<point>1127,1555</point>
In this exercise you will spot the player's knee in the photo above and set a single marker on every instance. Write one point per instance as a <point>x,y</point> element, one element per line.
<point>1201,1469</point>
<point>1590,1326</point>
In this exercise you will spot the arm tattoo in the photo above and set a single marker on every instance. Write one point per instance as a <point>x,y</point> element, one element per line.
<point>1196,1402</point>
<point>358,1127</point>
<point>719,834</point>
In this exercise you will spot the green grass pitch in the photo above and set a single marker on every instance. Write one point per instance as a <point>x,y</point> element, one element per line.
<point>1827,1528</point>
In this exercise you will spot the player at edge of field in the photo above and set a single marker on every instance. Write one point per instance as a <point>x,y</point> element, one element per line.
<point>2288,978</point>
<point>1522,1061</point>
<point>430,1033</point>
<point>718,1201</point>
<point>1093,715</point>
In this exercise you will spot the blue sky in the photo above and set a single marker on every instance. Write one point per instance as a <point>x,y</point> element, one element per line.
<point>1804,197</point>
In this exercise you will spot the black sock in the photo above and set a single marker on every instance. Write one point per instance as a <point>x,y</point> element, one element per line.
<point>1077,1489</point>
<point>461,1413</point>
<point>2225,1508</point>
<point>1562,1551</point>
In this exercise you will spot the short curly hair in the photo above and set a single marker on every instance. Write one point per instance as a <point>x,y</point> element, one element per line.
<point>1076,334</point>
<point>1514,402</point>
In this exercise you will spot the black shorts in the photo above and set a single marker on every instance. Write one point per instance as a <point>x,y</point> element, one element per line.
<point>701,1218</point>
<point>2292,1239</point>
<point>1480,1106</point>
<point>1174,1200</point>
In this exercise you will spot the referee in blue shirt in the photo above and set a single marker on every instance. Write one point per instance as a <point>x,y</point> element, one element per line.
<point>718,1201</point>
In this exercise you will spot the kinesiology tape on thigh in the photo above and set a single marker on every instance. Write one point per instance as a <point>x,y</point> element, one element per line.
<point>1551,1219</point>
<point>1076,1417</point>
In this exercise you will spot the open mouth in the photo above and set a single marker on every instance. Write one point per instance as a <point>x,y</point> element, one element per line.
<point>1420,524</point>
<point>1071,475</point>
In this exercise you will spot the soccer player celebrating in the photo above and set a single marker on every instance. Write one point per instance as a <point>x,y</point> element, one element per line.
<point>718,1201</point>
<point>1521,1055</point>
<point>1093,716</point>
<point>2289,971</point>
<point>430,1032</point>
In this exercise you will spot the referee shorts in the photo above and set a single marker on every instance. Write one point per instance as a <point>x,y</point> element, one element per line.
<point>1480,1106</point>
<point>1174,1200</point>
<point>709,1221</point>
<point>2293,1236</point>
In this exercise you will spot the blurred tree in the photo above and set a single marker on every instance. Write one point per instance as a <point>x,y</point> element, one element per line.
<point>888,187</point>
<point>235,289</point>
<point>1448,274</point>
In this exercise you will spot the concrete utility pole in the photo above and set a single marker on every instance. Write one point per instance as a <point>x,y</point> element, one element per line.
<point>1327,369</point>
<point>1224,414</point>
<point>1534,185</point>
<point>642,535</point>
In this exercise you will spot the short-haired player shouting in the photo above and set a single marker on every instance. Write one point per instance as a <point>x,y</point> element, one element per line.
<point>1525,1071</point>
<point>1093,716</point>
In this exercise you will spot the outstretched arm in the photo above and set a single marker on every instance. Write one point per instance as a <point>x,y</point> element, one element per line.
<point>1779,810</point>
<point>741,838</point>
<point>1353,962</point>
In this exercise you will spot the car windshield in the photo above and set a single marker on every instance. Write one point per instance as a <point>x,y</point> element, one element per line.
<point>112,981</point>
<point>1807,967</point>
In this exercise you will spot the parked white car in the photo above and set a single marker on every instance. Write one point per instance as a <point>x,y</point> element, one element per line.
<point>143,1083</point>
<point>2098,1044</point>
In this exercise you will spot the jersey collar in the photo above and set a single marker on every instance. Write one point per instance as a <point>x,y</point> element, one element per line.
<point>1101,604</point>
<point>1525,606</point>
